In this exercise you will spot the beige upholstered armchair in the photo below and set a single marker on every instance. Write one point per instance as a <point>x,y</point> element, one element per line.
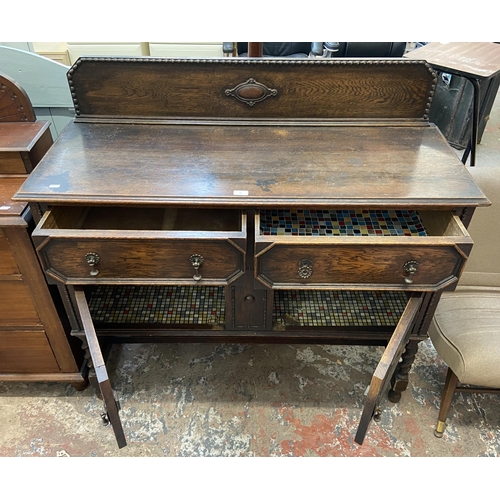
<point>466,327</point>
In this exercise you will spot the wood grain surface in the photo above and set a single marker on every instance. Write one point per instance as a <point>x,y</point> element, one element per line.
<point>252,165</point>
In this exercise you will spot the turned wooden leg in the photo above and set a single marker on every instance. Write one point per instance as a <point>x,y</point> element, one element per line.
<point>446,398</point>
<point>399,381</point>
<point>80,386</point>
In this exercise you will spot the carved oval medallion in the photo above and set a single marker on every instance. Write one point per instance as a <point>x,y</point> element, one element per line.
<point>251,92</point>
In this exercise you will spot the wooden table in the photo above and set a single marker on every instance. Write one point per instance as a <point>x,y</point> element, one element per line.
<point>476,61</point>
<point>260,192</point>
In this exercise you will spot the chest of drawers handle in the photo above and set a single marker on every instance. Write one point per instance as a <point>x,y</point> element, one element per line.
<point>92,259</point>
<point>305,269</point>
<point>411,267</point>
<point>196,261</point>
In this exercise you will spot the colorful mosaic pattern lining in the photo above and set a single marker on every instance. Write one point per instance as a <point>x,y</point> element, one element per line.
<point>338,308</point>
<point>158,304</point>
<point>181,305</point>
<point>341,223</point>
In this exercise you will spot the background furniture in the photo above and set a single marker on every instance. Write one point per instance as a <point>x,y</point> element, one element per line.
<point>34,345</point>
<point>262,204</point>
<point>364,49</point>
<point>479,63</point>
<point>466,327</point>
<point>317,49</point>
<point>68,52</point>
<point>453,104</point>
<point>275,49</point>
<point>57,51</point>
<point>44,81</point>
<point>186,49</point>
<point>117,49</point>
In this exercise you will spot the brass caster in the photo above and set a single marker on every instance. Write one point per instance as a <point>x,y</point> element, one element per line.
<point>439,430</point>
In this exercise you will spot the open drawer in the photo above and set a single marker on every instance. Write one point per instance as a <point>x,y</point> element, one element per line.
<point>113,245</point>
<point>369,249</point>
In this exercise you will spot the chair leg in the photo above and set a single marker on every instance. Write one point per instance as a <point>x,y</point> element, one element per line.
<point>446,398</point>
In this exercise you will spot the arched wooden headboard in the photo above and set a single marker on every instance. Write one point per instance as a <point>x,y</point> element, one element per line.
<point>15,105</point>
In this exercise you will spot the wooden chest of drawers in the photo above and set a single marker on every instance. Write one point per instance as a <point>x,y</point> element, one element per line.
<point>270,194</point>
<point>23,146</point>
<point>34,343</point>
<point>34,335</point>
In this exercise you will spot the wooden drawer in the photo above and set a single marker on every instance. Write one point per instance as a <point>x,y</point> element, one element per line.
<point>8,265</point>
<point>429,261</point>
<point>11,163</point>
<point>26,352</point>
<point>23,145</point>
<point>16,304</point>
<point>142,245</point>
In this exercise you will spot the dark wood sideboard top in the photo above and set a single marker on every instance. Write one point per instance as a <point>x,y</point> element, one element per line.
<point>238,165</point>
<point>177,132</point>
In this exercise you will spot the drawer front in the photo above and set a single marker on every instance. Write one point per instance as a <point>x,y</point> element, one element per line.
<point>143,260</point>
<point>406,267</point>
<point>16,304</point>
<point>8,265</point>
<point>26,352</point>
<point>11,163</point>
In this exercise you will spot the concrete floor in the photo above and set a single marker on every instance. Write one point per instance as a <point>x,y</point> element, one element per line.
<point>235,400</point>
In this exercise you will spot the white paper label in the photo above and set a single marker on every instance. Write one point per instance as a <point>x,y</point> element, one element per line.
<point>4,207</point>
<point>54,186</point>
<point>240,193</point>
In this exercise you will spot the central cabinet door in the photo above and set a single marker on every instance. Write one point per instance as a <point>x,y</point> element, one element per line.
<point>368,249</point>
<point>113,245</point>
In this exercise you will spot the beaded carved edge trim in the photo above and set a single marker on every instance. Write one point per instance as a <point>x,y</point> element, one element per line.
<point>257,61</point>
